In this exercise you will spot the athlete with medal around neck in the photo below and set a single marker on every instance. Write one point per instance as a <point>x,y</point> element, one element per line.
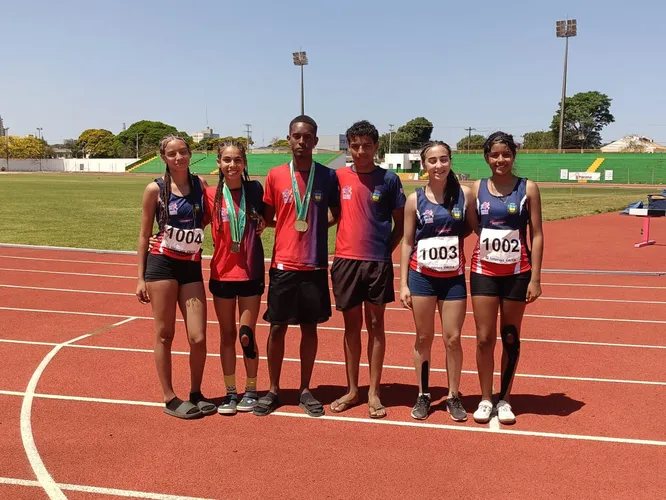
<point>303,197</point>
<point>170,271</point>
<point>505,270</point>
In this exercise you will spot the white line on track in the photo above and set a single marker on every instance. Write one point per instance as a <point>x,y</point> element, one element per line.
<point>113,276</point>
<point>98,490</point>
<point>210,299</point>
<point>336,328</point>
<point>342,363</point>
<point>461,428</point>
<point>43,477</point>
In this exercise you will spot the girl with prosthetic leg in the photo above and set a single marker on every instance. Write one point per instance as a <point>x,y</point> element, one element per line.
<point>505,271</point>
<point>437,219</point>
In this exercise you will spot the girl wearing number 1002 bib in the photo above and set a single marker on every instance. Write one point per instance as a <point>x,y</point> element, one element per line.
<point>438,217</point>
<point>505,270</point>
<point>170,274</point>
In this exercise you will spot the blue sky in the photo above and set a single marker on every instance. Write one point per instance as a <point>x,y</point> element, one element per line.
<point>72,65</point>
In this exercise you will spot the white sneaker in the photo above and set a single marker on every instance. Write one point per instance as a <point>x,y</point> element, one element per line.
<point>504,413</point>
<point>482,413</point>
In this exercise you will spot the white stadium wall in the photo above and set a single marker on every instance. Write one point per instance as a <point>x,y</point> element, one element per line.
<point>109,165</point>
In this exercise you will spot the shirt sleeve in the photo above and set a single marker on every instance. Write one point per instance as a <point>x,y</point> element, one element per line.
<point>268,192</point>
<point>334,190</point>
<point>398,193</point>
<point>260,197</point>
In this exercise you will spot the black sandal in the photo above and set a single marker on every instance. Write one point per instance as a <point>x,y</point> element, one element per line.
<point>311,406</point>
<point>207,407</point>
<point>182,409</point>
<point>266,405</point>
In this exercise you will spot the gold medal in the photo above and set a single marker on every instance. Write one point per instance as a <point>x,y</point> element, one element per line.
<point>301,226</point>
<point>235,247</point>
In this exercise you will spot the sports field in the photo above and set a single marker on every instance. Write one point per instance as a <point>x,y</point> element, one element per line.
<point>104,211</point>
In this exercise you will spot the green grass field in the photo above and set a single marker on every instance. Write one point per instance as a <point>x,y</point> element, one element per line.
<point>104,211</point>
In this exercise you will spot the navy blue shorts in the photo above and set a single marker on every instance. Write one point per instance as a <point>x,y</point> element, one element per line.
<point>421,285</point>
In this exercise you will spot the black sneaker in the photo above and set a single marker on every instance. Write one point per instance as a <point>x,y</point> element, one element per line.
<point>421,408</point>
<point>455,407</point>
<point>229,404</point>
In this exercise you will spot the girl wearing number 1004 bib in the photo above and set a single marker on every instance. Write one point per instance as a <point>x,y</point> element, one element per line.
<point>432,269</point>
<point>505,272</point>
<point>170,273</point>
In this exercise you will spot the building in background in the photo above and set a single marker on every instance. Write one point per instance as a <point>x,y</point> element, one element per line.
<point>333,142</point>
<point>407,162</point>
<point>633,144</point>
<point>206,133</point>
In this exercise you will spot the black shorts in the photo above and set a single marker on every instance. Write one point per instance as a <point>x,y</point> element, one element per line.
<point>513,287</point>
<point>161,267</point>
<point>358,281</point>
<point>233,289</point>
<point>298,297</point>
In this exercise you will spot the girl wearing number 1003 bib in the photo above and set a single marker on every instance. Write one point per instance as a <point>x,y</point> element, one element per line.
<point>170,274</point>
<point>505,270</point>
<point>432,267</point>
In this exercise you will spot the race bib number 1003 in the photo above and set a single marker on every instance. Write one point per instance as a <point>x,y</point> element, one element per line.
<point>187,241</point>
<point>441,253</point>
<point>500,246</point>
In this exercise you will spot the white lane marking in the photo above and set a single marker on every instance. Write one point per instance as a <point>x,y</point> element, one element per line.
<point>99,490</point>
<point>364,365</point>
<point>43,477</point>
<point>461,428</point>
<point>73,261</point>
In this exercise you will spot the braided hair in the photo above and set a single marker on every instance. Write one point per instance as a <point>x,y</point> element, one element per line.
<point>452,190</point>
<point>165,190</point>
<point>245,179</point>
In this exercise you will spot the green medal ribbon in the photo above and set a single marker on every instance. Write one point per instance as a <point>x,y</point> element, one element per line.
<point>236,222</point>
<point>302,206</point>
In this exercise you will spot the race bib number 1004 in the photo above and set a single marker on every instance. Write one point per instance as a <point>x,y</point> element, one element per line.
<point>187,241</point>
<point>500,246</point>
<point>441,253</point>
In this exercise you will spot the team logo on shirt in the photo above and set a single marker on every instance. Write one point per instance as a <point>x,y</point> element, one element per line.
<point>346,193</point>
<point>173,208</point>
<point>317,196</point>
<point>512,208</point>
<point>287,196</point>
<point>443,230</point>
<point>224,214</point>
<point>376,195</point>
<point>485,208</point>
<point>456,213</point>
<point>428,217</point>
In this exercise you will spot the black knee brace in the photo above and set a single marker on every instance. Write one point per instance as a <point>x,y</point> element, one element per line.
<point>511,345</point>
<point>248,350</point>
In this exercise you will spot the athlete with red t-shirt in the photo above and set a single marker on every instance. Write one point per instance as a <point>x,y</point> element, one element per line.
<point>234,208</point>
<point>372,203</point>
<point>505,272</point>
<point>299,195</point>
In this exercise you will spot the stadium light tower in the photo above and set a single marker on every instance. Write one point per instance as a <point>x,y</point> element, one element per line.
<point>564,29</point>
<point>301,59</point>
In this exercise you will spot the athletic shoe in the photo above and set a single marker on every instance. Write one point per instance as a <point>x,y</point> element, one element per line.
<point>421,408</point>
<point>482,413</point>
<point>504,413</point>
<point>248,402</point>
<point>455,408</point>
<point>229,404</point>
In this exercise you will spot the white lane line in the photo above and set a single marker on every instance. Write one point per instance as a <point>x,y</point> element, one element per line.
<point>364,365</point>
<point>69,273</point>
<point>73,261</point>
<point>461,428</point>
<point>210,299</point>
<point>99,490</point>
<point>43,477</point>
<point>333,328</point>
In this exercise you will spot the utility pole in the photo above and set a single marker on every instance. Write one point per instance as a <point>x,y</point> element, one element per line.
<point>390,137</point>
<point>137,145</point>
<point>248,131</point>
<point>469,137</point>
<point>41,149</point>
<point>564,29</point>
<point>7,143</point>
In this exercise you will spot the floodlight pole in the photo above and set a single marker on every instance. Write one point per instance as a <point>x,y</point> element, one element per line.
<point>39,136</point>
<point>301,59</point>
<point>7,143</point>
<point>564,29</point>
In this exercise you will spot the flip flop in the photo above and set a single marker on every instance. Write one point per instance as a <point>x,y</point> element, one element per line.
<point>376,412</point>
<point>182,409</point>
<point>266,405</point>
<point>207,407</point>
<point>339,406</point>
<point>311,406</point>
<point>248,350</point>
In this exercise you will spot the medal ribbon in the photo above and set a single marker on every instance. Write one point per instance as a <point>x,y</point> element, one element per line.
<point>236,221</point>
<point>302,206</point>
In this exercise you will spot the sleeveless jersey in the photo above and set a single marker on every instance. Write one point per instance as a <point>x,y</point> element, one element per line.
<point>438,241</point>
<point>183,234</point>
<point>502,247</point>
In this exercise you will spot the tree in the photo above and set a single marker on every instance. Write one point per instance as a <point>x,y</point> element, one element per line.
<point>25,148</point>
<point>539,140</point>
<point>412,135</point>
<point>74,147</point>
<point>98,143</point>
<point>473,142</point>
<point>146,134</point>
<point>279,143</point>
<point>585,115</point>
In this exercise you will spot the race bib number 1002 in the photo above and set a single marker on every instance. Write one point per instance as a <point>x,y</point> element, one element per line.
<point>500,246</point>
<point>187,241</point>
<point>441,253</point>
